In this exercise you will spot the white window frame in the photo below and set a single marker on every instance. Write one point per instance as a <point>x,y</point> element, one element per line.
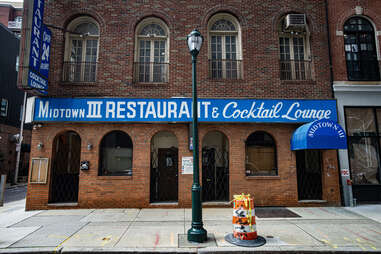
<point>4,113</point>
<point>290,34</point>
<point>69,37</point>
<point>223,34</point>
<point>152,40</point>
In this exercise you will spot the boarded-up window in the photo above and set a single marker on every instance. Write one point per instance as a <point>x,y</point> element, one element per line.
<point>39,170</point>
<point>260,155</point>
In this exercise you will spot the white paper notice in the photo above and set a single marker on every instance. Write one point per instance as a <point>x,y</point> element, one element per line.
<point>187,165</point>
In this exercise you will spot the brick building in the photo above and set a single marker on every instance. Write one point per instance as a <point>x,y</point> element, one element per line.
<point>11,15</point>
<point>11,98</point>
<point>118,102</point>
<point>354,31</point>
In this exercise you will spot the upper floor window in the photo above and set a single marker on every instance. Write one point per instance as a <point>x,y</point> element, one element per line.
<point>18,19</point>
<point>225,58</point>
<point>260,155</point>
<point>152,54</point>
<point>360,50</point>
<point>294,52</point>
<point>81,51</point>
<point>3,107</point>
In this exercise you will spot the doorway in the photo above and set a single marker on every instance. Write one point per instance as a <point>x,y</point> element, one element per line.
<point>65,168</point>
<point>215,167</point>
<point>164,168</point>
<point>308,164</point>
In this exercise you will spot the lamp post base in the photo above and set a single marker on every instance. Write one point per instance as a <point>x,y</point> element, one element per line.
<point>198,235</point>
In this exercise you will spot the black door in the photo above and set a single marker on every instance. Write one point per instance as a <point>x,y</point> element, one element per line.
<point>308,163</point>
<point>215,178</point>
<point>164,177</point>
<point>65,168</point>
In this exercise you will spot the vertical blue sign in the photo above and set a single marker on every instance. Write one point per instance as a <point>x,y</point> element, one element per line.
<point>36,35</point>
<point>45,51</point>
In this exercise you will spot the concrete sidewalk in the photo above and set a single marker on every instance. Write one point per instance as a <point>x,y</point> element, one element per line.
<point>321,229</point>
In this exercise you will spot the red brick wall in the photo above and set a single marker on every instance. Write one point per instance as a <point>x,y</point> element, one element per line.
<point>261,79</point>
<point>5,13</point>
<point>339,12</point>
<point>258,20</point>
<point>134,191</point>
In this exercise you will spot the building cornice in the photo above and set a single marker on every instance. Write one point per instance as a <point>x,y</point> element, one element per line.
<point>350,87</point>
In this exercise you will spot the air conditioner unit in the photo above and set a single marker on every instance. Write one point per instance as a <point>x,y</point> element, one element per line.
<point>295,21</point>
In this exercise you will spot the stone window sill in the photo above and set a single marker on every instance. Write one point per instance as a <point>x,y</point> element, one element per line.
<point>114,177</point>
<point>263,177</point>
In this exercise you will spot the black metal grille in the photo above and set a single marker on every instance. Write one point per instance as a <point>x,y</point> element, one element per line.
<point>79,71</point>
<point>151,72</point>
<point>65,168</point>
<point>308,164</point>
<point>225,69</point>
<point>295,70</point>
<point>215,175</point>
<point>65,188</point>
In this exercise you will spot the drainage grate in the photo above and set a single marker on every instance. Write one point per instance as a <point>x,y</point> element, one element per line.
<point>275,212</point>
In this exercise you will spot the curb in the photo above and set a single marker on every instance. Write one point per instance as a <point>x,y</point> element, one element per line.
<point>214,250</point>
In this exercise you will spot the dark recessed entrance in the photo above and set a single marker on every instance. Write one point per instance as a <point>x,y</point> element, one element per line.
<point>164,168</point>
<point>308,164</point>
<point>65,168</point>
<point>215,167</point>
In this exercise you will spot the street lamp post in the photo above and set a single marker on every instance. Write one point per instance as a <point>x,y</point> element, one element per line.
<point>196,233</point>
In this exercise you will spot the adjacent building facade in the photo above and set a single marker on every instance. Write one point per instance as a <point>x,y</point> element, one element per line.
<point>11,16</point>
<point>114,128</point>
<point>11,101</point>
<point>354,31</point>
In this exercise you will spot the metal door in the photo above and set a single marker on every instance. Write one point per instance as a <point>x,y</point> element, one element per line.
<point>308,163</point>
<point>65,168</point>
<point>215,179</point>
<point>164,176</point>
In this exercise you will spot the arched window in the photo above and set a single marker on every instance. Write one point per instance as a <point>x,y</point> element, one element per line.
<point>81,52</point>
<point>152,54</point>
<point>294,50</point>
<point>225,58</point>
<point>116,154</point>
<point>360,50</point>
<point>261,155</point>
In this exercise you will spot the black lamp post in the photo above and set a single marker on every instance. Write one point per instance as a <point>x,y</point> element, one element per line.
<point>196,233</point>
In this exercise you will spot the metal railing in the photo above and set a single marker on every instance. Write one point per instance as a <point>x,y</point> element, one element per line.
<point>225,69</point>
<point>295,70</point>
<point>151,72</point>
<point>79,71</point>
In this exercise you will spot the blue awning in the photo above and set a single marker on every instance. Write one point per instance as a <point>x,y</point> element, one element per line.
<point>320,134</point>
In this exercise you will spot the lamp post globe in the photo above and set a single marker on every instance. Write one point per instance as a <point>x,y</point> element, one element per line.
<point>196,233</point>
<point>194,40</point>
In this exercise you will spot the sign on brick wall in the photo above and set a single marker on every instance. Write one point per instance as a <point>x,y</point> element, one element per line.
<point>180,110</point>
<point>37,44</point>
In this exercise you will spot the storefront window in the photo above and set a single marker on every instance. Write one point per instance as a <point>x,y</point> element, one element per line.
<point>116,154</point>
<point>260,155</point>
<point>360,122</point>
<point>363,144</point>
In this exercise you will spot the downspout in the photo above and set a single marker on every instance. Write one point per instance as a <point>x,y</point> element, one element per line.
<point>329,48</point>
<point>331,79</point>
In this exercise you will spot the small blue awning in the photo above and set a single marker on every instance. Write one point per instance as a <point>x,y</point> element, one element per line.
<point>320,134</point>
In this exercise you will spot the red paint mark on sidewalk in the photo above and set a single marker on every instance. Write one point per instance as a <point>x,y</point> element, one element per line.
<point>325,210</point>
<point>374,231</point>
<point>359,235</point>
<point>156,240</point>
